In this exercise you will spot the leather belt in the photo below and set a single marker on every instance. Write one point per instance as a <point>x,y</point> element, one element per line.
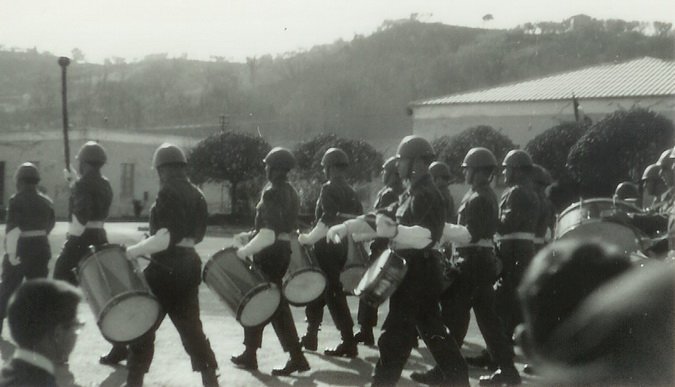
<point>186,242</point>
<point>480,243</point>
<point>526,236</point>
<point>94,224</point>
<point>284,236</point>
<point>33,233</point>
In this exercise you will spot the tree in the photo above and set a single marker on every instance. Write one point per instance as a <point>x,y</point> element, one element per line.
<point>550,148</point>
<point>228,156</point>
<point>485,136</point>
<point>618,148</point>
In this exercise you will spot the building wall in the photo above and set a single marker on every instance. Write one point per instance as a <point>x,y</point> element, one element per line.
<point>46,149</point>
<point>522,121</point>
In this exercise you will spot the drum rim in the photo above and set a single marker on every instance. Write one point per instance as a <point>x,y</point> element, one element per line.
<point>303,270</point>
<point>401,267</point>
<point>597,200</point>
<point>591,221</point>
<point>249,295</point>
<point>116,300</point>
<point>92,253</point>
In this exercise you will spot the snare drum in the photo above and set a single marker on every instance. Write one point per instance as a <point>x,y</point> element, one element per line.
<point>117,293</point>
<point>242,287</point>
<point>355,266</point>
<point>584,221</point>
<point>382,278</point>
<point>304,281</point>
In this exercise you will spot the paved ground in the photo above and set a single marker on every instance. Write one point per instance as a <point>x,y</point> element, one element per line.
<point>171,366</point>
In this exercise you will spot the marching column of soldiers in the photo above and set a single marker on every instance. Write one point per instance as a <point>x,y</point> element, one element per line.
<point>479,256</point>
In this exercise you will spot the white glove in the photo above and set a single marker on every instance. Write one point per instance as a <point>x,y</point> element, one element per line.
<point>242,238</point>
<point>360,230</point>
<point>264,238</point>
<point>386,227</point>
<point>412,237</point>
<point>75,228</point>
<point>455,233</point>
<point>11,243</point>
<point>13,259</point>
<point>319,231</point>
<point>156,243</point>
<point>70,175</point>
<point>336,233</point>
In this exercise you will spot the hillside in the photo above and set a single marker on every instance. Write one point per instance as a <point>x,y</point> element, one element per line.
<point>359,88</point>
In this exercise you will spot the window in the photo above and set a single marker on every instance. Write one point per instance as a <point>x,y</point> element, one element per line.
<point>127,180</point>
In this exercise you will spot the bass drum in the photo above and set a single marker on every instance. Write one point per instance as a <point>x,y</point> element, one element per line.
<point>117,293</point>
<point>355,266</point>
<point>584,221</point>
<point>382,278</point>
<point>304,281</point>
<point>242,288</point>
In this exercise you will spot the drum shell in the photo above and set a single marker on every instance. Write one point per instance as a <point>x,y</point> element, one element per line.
<point>355,266</point>
<point>382,278</point>
<point>584,221</point>
<point>304,281</point>
<point>243,288</point>
<point>118,294</point>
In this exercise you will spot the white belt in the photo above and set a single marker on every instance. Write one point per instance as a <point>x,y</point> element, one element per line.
<point>284,236</point>
<point>480,243</point>
<point>527,236</point>
<point>186,242</point>
<point>539,241</point>
<point>33,233</point>
<point>94,224</point>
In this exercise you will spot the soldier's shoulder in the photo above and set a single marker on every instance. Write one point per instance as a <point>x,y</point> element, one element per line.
<point>45,198</point>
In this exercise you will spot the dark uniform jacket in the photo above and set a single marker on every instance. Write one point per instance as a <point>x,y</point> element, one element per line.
<point>518,210</point>
<point>19,373</point>
<point>181,208</point>
<point>30,210</point>
<point>385,197</point>
<point>334,198</point>
<point>479,212</point>
<point>450,215</point>
<point>91,197</point>
<point>546,220</point>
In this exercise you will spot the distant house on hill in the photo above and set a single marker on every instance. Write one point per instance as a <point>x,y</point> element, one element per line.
<point>524,109</point>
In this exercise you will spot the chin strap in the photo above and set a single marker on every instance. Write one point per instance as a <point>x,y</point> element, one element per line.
<point>264,238</point>
<point>415,237</point>
<point>455,233</point>
<point>75,228</point>
<point>319,231</point>
<point>154,244</point>
<point>11,241</point>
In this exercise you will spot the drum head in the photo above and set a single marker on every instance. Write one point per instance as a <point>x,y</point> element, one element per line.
<point>129,317</point>
<point>259,306</point>
<point>350,277</point>
<point>304,287</point>
<point>609,232</point>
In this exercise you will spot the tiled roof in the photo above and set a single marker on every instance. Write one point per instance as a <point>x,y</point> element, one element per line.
<point>640,77</point>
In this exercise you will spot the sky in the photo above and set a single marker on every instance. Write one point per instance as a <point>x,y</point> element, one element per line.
<point>237,29</point>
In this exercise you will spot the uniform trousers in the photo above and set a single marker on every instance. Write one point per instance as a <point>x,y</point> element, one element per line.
<point>473,288</point>
<point>331,258</point>
<point>76,248</point>
<point>515,256</point>
<point>178,294</point>
<point>35,254</point>
<point>413,310</point>
<point>273,261</point>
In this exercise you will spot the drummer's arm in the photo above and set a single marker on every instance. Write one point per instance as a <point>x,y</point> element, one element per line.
<point>405,237</point>
<point>155,243</point>
<point>264,238</point>
<point>328,218</point>
<point>164,220</point>
<point>270,219</point>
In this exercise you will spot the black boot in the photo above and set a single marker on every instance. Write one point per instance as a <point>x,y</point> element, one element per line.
<point>484,360</point>
<point>247,360</point>
<point>506,376</point>
<point>209,378</point>
<point>365,336</point>
<point>297,363</point>
<point>117,354</point>
<point>433,377</point>
<point>310,341</point>
<point>347,348</point>
<point>134,379</point>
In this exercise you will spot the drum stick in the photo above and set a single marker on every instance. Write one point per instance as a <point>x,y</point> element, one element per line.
<point>163,266</point>
<point>64,62</point>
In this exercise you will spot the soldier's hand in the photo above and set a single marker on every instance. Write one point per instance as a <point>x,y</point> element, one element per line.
<point>13,259</point>
<point>242,238</point>
<point>303,239</point>
<point>70,175</point>
<point>241,254</point>
<point>386,226</point>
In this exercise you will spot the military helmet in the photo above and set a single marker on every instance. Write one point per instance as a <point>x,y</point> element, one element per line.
<point>93,153</point>
<point>439,169</point>
<point>541,175</point>
<point>479,157</point>
<point>666,159</point>
<point>280,158</point>
<point>651,172</point>
<point>333,157</point>
<point>168,154</point>
<point>626,190</point>
<point>517,158</point>
<point>389,165</point>
<point>27,172</point>
<point>414,146</point>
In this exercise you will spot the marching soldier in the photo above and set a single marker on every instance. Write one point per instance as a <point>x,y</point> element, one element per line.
<point>336,197</point>
<point>393,187</point>
<point>90,199</point>
<point>440,173</point>
<point>546,221</point>
<point>30,219</point>
<point>654,186</point>
<point>177,223</point>
<point>628,192</point>
<point>518,214</point>
<point>413,308</point>
<point>477,265</point>
<point>276,217</point>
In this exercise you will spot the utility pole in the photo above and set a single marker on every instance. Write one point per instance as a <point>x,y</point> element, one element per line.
<point>224,122</point>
